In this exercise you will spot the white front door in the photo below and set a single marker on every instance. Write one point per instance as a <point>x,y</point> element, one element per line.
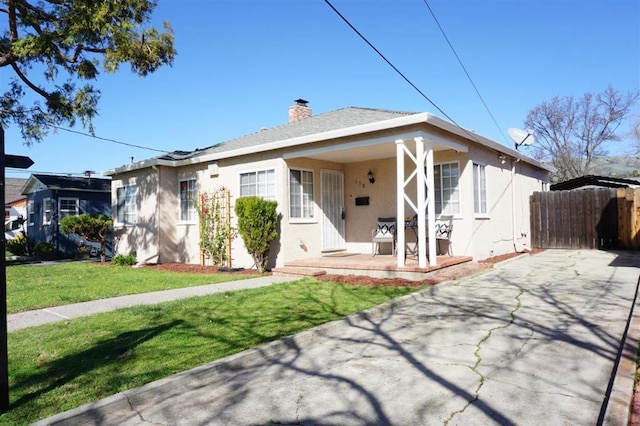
<point>332,193</point>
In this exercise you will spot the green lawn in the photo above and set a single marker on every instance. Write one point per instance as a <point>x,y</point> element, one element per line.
<point>60,366</point>
<point>34,286</point>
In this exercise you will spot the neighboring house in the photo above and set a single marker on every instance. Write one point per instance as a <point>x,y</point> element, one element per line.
<point>592,181</point>
<point>316,168</point>
<point>15,203</point>
<point>52,197</point>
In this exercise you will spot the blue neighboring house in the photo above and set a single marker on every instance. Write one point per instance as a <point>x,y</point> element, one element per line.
<point>52,197</point>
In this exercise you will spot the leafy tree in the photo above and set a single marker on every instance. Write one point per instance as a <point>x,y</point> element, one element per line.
<point>257,224</point>
<point>69,41</point>
<point>91,228</point>
<point>571,133</point>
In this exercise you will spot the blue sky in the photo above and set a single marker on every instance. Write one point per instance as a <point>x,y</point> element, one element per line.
<point>241,63</point>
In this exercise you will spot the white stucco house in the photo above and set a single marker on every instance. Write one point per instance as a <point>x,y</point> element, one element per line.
<point>318,169</point>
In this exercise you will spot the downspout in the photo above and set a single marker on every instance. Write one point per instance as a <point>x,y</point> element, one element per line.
<point>517,249</point>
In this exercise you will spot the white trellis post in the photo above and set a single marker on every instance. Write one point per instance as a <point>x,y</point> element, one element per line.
<point>424,207</point>
<point>431,207</point>
<point>400,196</point>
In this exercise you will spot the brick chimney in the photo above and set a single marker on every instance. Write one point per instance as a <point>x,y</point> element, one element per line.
<point>299,111</point>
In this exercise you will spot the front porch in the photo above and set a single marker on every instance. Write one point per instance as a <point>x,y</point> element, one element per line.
<point>379,266</point>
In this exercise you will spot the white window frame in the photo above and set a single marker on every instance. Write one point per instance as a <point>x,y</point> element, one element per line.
<point>31,211</point>
<point>129,214</point>
<point>190,208</point>
<point>46,208</point>
<point>257,193</point>
<point>442,189</point>
<point>61,211</point>
<point>480,189</point>
<point>306,201</point>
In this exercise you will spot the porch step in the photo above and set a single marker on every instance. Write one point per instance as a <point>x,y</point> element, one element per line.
<point>297,272</point>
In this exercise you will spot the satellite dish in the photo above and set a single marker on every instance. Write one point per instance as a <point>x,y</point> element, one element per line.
<point>521,137</point>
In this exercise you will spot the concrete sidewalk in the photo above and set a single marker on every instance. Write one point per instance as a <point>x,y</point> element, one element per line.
<point>76,310</point>
<point>535,341</point>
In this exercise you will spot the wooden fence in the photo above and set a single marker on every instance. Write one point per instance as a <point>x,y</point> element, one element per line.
<point>601,218</point>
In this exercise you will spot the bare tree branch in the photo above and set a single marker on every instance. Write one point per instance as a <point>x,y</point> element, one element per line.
<point>571,133</point>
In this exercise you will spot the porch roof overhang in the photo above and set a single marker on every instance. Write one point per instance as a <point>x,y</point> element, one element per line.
<point>379,147</point>
<point>372,148</point>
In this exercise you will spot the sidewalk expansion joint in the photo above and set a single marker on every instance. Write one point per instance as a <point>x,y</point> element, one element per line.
<point>476,353</point>
<point>56,314</point>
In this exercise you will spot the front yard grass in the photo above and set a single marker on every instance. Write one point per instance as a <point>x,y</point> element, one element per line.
<point>35,286</point>
<point>56,367</point>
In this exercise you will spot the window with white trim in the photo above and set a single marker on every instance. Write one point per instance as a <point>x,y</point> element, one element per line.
<point>46,211</point>
<point>260,183</point>
<point>31,211</point>
<point>447,193</point>
<point>67,207</point>
<point>301,203</point>
<point>126,204</point>
<point>188,194</point>
<point>479,189</point>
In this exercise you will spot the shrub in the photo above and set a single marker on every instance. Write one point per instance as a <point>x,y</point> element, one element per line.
<point>257,224</point>
<point>44,250</point>
<point>125,259</point>
<point>18,246</point>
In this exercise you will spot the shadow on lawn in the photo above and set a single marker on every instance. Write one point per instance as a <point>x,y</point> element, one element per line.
<point>62,371</point>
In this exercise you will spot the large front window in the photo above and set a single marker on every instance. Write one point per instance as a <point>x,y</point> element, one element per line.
<point>300,194</point>
<point>261,183</point>
<point>188,194</point>
<point>126,204</point>
<point>447,194</point>
<point>67,207</point>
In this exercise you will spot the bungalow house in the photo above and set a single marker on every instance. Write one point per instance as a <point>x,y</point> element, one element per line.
<point>52,197</point>
<point>333,175</point>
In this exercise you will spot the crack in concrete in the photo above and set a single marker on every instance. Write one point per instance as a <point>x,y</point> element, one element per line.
<point>476,353</point>
<point>142,419</point>
<point>298,402</point>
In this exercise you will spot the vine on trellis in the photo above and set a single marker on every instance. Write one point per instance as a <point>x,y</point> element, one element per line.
<point>216,232</point>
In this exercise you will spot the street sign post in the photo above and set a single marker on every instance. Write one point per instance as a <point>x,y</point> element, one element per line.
<point>16,162</point>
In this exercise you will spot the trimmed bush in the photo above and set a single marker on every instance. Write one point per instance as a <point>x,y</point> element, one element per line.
<point>125,259</point>
<point>18,246</point>
<point>257,225</point>
<point>44,251</point>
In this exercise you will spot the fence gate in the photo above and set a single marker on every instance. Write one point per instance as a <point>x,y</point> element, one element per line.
<point>600,218</point>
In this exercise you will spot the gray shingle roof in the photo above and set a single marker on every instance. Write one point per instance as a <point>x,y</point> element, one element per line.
<point>333,120</point>
<point>74,183</point>
<point>13,189</point>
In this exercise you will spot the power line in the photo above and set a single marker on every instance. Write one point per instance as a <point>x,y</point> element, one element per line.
<point>94,136</point>
<point>107,139</point>
<point>465,70</point>
<point>471,135</point>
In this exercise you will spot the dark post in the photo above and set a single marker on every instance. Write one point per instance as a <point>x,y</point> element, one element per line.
<point>18,162</point>
<point>4,352</point>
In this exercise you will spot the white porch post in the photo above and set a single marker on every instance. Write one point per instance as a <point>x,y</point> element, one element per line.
<point>421,202</point>
<point>401,247</point>
<point>431,207</point>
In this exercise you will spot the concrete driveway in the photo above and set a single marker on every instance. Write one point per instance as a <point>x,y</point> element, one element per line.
<point>534,341</point>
